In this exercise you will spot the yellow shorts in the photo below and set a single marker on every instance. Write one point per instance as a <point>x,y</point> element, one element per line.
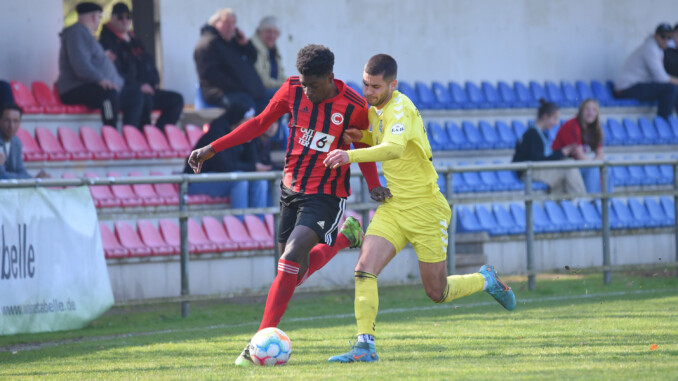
<point>424,225</point>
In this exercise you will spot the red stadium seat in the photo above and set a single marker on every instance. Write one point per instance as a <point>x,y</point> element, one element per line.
<point>147,192</point>
<point>170,231</point>
<point>193,133</point>
<point>270,222</point>
<point>158,142</point>
<point>112,247</point>
<point>93,143</point>
<point>50,145</point>
<point>178,141</point>
<point>30,148</point>
<point>71,109</point>
<point>238,234</point>
<point>24,98</point>
<point>258,231</point>
<point>130,240</point>
<point>137,143</point>
<point>125,193</point>
<point>166,190</point>
<point>72,144</point>
<point>101,194</point>
<point>198,239</point>
<point>116,143</point>
<point>153,239</point>
<point>45,97</point>
<point>216,234</point>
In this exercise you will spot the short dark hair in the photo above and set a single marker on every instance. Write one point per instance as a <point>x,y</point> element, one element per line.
<point>382,64</point>
<point>11,106</point>
<point>315,60</point>
<point>546,108</point>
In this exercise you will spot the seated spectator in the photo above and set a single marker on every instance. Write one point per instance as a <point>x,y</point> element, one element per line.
<point>643,76</point>
<point>224,59</point>
<point>11,155</point>
<point>584,132</point>
<point>268,63</point>
<point>241,158</point>
<point>136,66</point>
<point>86,74</point>
<point>6,96</point>
<point>533,146</point>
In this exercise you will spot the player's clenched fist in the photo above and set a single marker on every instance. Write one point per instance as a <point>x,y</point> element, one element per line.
<point>336,158</point>
<point>199,156</point>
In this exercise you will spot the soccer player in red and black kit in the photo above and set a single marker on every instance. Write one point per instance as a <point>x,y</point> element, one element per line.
<point>313,196</point>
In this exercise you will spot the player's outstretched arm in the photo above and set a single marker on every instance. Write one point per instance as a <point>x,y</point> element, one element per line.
<point>199,156</point>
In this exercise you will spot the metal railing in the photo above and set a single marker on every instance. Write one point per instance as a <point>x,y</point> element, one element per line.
<point>182,211</point>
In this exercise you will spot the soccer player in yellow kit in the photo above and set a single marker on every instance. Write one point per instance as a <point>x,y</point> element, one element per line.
<point>417,212</point>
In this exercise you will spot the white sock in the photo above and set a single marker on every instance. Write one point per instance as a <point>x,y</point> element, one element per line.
<point>485,285</point>
<point>365,338</point>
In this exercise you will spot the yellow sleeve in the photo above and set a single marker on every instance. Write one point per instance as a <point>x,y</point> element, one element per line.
<point>382,152</point>
<point>367,138</point>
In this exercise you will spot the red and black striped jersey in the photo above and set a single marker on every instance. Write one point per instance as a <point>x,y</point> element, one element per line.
<point>315,130</point>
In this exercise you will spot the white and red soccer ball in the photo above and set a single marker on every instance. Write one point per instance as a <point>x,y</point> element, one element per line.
<point>270,346</point>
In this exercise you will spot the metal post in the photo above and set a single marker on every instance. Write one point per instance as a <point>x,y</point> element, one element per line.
<point>529,231</point>
<point>276,225</point>
<point>675,207</point>
<point>606,224</point>
<point>183,229</point>
<point>451,229</point>
<point>364,197</point>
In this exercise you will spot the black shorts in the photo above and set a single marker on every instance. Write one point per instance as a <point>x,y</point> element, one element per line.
<point>320,212</point>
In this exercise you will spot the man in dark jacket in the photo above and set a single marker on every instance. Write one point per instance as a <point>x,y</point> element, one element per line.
<point>136,66</point>
<point>225,58</point>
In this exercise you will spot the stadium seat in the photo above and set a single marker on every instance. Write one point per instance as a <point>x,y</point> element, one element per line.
<point>508,95</point>
<point>166,190</point>
<point>258,231</point>
<point>112,247</point>
<point>457,137</point>
<point>44,97</point>
<point>640,213</point>
<point>607,136</point>
<point>72,144</point>
<point>664,130</point>
<point>467,222</point>
<point>490,135</point>
<point>650,133</point>
<point>555,94</point>
<point>101,194</point>
<point>238,234</point>
<point>172,235</point>
<point>635,137</point>
<point>657,213</point>
<point>427,99</point>
<point>615,223</point>
<point>147,192</point>
<point>590,214</point>
<point>621,210</point>
<point>619,101</point>
<point>178,141</point>
<point>137,143</point>
<point>585,91</point>
<point>215,232</point>
<point>198,239</point>
<point>603,94</point>
<point>538,91</point>
<point>129,239</point>
<point>71,109</point>
<point>124,192</point>
<point>558,217</point>
<point>158,142</point>
<point>570,94</point>
<point>524,95</point>
<point>473,181</point>
<point>509,179</point>
<point>24,98</point>
<point>473,135</point>
<point>270,224</point>
<point>443,96</point>
<point>355,86</point>
<point>93,144</point>
<point>438,137</point>
<point>193,133</point>
<point>673,123</point>
<point>618,135</point>
<point>519,129</point>
<point>459,96</point>
<point>488,222</point>
<point>50,145</point>
<point>619,174</point>
<point>542,222</point>
<point>115,143</point>
<point>574,216</point>
<point>408,90</point>
<point>517,211</point>
<point>506,221</point>
<point>668,206</point>
<point>199,102</point>
<point>654,174</point>
<point>492,96</point>
<point>30,149</point>
<point>475,96</point>
<point>506,134</point>
<point>152,238</point>
<point>490,179</point>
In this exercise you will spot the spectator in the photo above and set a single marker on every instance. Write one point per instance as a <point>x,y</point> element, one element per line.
<point>533,146</point>
<point>268,63</point>
<point>86,74</point>
<point>136,66</point>
<point>241,158</point>
<point>585,132</point>
<point>6,96</point>
<point>224,59</point>
<point>11,156</point>
<point>643,76</point>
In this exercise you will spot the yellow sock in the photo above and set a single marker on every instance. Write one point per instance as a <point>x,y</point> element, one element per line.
<point>366,302</point>
<point>462,285</point>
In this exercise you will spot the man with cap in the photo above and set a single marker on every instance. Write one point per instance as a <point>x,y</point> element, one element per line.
<point>643,76</point>
<point>138,69</point>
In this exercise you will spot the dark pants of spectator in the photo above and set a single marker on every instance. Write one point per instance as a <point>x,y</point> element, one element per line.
<point>6,96</point>
<point>95,97</point>
<point>665,94</point>
<point>169,103</point>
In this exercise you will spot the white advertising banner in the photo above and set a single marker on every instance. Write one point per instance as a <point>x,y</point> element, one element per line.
<point>53,275</point>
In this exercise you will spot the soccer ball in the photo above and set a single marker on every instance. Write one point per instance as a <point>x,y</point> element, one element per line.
<point>270,346</point>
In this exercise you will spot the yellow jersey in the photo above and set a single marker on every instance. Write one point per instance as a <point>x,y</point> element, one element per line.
<point>411,177</point>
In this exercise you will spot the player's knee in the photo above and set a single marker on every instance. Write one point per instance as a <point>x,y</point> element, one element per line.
<point>434,293</point>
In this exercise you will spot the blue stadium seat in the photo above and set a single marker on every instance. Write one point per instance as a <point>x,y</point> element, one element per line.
<point>443,96</point>
<point>506,221</point>
<point>467,222</point>
<point>666,171</point>
<point>509,179</point>
<point>492,95</point>
<point>585,91</point>
<point>524,95</point>
<point>542,223</point>
<point>438,137</point>
<point>654,173</point>
<point>426,97</point>
<point>664,130</point>
<point>457,137</point>
<point>508,95</point>
<point>590,214</point>
<point>517,211</point>
<point>619,101</point>
<point>555,93</point>
<point>650,132</point>
<point>637,174</point>
<point>488,222</point>
<point>673,122</point>
<point>557,216</point>
<point>615,223</point>
<point>538,91</point>
<point>607,136</point>
<point>409,92</point>
<point>640,213</point>
<point>475,96</point>
<point>657,213</point>
<point>490,179</point>
<point>200,103</point>
<point>519,129</point>
<point>633,131</point>
<point>490,135</point>
<point>570,93</point>
<point>602,94</point>
<point>574,216</point>
<point>459,185</point>
<point>459,96</point>
<point>355,86</point>
<point>441,183</point>
<point>618,135</point>
<point>506,135</point>
<point>473,135</point>
<point>620,176</point>
<point>668,206</point>
<point>473,180</point>
<point>624,214</point>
